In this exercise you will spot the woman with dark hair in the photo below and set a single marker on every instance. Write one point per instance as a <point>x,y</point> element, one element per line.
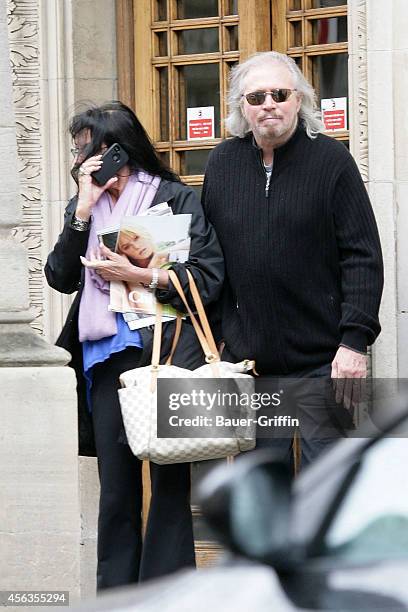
<point>102,345</point>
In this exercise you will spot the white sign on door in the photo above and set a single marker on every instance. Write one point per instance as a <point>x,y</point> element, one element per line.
<point>200,123</point>
<point>334,114</point>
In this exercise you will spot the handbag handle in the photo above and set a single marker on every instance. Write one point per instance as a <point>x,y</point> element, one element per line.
<point>176,337</point>
<point>202,314</point>
<point>205,338</point>
<point>203,331</point>
<point>157,336</point>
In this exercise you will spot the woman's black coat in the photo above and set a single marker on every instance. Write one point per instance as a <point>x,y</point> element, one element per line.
<point>65,273</point>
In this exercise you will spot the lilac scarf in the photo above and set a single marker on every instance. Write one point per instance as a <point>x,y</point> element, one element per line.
<point>95,320</point>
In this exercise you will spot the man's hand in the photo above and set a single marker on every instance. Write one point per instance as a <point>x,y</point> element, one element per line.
<point>348,370</point>
<point>115,267</point>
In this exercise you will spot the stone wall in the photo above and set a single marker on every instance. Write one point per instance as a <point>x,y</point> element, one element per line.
<point>387,55</point>
<point>62,53</point>
<point>39,506</point>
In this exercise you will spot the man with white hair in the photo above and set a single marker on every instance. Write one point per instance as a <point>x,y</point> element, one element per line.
<point>300,241</point>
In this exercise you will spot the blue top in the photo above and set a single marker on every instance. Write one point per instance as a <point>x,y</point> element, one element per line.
<point>97,351</point>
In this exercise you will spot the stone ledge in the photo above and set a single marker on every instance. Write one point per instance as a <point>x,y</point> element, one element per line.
<point>21,347</point>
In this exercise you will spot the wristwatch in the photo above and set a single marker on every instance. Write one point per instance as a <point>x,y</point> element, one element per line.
<point>154,283</point>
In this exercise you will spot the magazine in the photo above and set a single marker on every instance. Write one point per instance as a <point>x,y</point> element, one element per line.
<point>135,299</point>
<point>109,235</point>
<point>150,241</point>
<point>137,320</point>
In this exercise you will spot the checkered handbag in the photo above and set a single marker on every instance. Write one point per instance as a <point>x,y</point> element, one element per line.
<point>138,396</point>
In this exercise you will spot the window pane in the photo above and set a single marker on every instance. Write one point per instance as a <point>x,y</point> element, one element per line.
<point>295,34</point>
<point>193,162</point>
<point>202,40</point>
<point>229,66</point>
<point>295,5</point>
<point>232,7</point>
<point>164,103</point>
<point>231,38</point>
<point>164,157</point>
<point>194,9</point>
<point>328,3</point>
<point>199,85</point>
<point>161,10</point>
<point>160,40</point>
<point>326,31</point>
<point>330,77</point>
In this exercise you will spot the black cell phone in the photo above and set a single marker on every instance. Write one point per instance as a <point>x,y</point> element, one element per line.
<point>113,160</point>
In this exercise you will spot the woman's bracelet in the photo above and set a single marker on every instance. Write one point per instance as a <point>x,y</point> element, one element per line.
<point>79,224</point>
<point>154,283</point>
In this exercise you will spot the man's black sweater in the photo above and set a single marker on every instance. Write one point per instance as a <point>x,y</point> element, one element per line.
<point>303,260</point>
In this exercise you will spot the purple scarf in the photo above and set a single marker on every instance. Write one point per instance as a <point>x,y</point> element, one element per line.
<point>95,320</point>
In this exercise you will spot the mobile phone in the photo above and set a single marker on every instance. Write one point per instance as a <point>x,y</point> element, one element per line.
<point>113,160</point>
<point>109,237</point>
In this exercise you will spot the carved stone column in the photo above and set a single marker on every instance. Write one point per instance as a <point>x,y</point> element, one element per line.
<point>39,509</point>
<point>372,128</point>
<point>18,344</point>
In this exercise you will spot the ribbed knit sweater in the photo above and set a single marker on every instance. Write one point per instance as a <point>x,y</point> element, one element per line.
<point>303,258</point>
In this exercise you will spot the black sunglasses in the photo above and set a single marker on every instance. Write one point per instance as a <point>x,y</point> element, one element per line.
<point>255,98</point>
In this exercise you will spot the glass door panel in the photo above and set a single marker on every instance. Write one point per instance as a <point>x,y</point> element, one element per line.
<point>231,38</point>
<point>330,78</point>
<point>329,30</point>
<point>160,44</point>
<point>328,3</point>
<point>196,9</point>
<point>199,85</point>
<point>231,7</point>
<point>193,162</point>
<point>294,5</point>
<point>295,33</point>
<point>199,40</point>
<point>160,13</point>
<point>162,85</point>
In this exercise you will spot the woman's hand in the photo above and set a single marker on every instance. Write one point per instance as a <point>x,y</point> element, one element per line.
<point>118,268</point>
<point>89,191</point>
<point>114,267</point>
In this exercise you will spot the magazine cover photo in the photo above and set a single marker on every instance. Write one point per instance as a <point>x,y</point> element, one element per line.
<point>148,242</point>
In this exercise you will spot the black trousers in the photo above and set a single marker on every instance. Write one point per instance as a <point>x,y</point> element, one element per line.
<point>168,544</point>
<point>322,422</point>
